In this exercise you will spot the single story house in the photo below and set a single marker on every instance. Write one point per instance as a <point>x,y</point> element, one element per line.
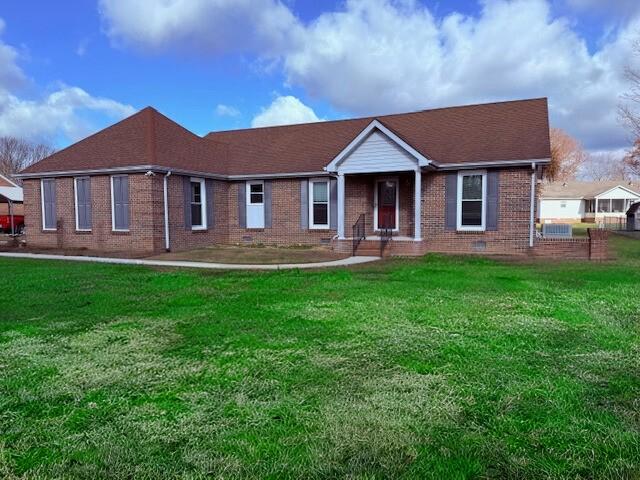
<point>592,202</point>
<point>458,179</point>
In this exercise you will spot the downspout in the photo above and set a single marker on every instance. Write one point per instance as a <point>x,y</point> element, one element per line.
<point>532,219</point>
<point>167,245</point>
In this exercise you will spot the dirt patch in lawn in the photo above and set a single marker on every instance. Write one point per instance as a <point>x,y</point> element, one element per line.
<point>254,255</point>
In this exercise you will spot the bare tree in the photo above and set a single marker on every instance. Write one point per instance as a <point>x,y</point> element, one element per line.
<point>567,155</point>
<point>17,154</point>
<point>632,159</point>
<point>604,166</point>
<point>629,113</point>
<point>628,109</point>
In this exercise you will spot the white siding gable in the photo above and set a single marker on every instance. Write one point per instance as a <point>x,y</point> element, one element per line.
<point>617,192</point>
<point>377,153</point>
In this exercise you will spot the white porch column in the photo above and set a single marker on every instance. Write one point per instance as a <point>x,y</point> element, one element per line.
<point>341,206</point>
<point>417,207</point>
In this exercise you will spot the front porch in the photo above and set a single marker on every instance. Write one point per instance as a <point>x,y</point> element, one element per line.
<point>379,187</point>
<point>381,211</point>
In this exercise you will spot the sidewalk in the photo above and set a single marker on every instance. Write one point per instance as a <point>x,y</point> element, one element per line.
<point>345,262</point>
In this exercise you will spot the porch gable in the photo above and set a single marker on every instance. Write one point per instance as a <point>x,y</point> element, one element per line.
<point>377,150</point>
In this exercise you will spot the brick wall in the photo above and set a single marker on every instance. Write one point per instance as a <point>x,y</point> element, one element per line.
<point>561,248</point>
<point>146,233</point>
<point>512,236</point>
<point>285,219</point>
<point>18,208</point>
<point>144,228</point>
<point>598,244</point>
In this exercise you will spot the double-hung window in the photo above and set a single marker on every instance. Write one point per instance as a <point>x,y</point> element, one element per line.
<point>472,200</point>
<point>319,204</point>
<point>198,204</point>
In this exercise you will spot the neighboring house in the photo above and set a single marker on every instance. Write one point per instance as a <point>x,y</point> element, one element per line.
<point>459,179</point>
<point>11,206</point>
<point>599,202</point>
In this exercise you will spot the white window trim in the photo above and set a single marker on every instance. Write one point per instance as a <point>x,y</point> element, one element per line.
<point>44,221</point>
<point>312,224</point>
<point>471,228</point>
<point>75,196</point>
<point>203,201</point>
<point>375,203</point>
<point>248,193</point>
<point>113,209</point>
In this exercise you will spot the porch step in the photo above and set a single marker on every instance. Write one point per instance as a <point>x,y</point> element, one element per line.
<point>368,248</point>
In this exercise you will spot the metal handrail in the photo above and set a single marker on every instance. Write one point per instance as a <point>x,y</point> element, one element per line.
<point>386,232</point>
<point>358,231</point>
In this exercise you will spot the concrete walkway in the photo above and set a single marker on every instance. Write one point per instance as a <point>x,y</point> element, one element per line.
<point>345,262</point>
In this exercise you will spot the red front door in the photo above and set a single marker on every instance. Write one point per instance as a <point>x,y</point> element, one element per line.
<point>387,192</point>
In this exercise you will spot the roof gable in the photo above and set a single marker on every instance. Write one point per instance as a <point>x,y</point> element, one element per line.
<point>376,148</point>
<point>579,190</point>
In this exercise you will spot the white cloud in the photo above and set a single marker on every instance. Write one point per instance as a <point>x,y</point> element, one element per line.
<point>264,26</point>
<point>380,56</point>
<point>63,112</point>
<point>223,110</point>
<point>286,110</point>
<point>11,75</point>
<point>66,114</point>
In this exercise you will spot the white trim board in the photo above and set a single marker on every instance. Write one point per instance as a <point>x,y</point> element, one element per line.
<point>471,228</point>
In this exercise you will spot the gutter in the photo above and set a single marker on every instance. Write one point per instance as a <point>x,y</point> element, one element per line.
<point>194,173</point>
<point>160,169</point>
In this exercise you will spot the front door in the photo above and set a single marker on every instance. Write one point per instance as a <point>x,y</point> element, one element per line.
<point>387,201</point>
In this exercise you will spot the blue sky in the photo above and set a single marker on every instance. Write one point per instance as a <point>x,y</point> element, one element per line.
<point>219,64</point>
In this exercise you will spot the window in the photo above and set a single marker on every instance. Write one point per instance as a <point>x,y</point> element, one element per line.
<point>617,205</point>
<point>198,204</point>
<point>120,203</point>
<point>82,187</point>
<point>604,206</point>
<point>319,204</point>
<point>256,193</point>
<point>472,194</point>
<point>48,195</point>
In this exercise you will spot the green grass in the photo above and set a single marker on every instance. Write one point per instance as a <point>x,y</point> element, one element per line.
<point>439,367</point>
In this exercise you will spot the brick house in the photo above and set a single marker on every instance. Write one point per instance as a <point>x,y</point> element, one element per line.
<point>459,179</point>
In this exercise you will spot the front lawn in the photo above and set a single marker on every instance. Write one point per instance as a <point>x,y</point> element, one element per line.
<point>439,367</point>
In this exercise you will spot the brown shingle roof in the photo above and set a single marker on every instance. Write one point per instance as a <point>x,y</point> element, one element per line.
<point>575,189</point>
<point>505,131</point>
